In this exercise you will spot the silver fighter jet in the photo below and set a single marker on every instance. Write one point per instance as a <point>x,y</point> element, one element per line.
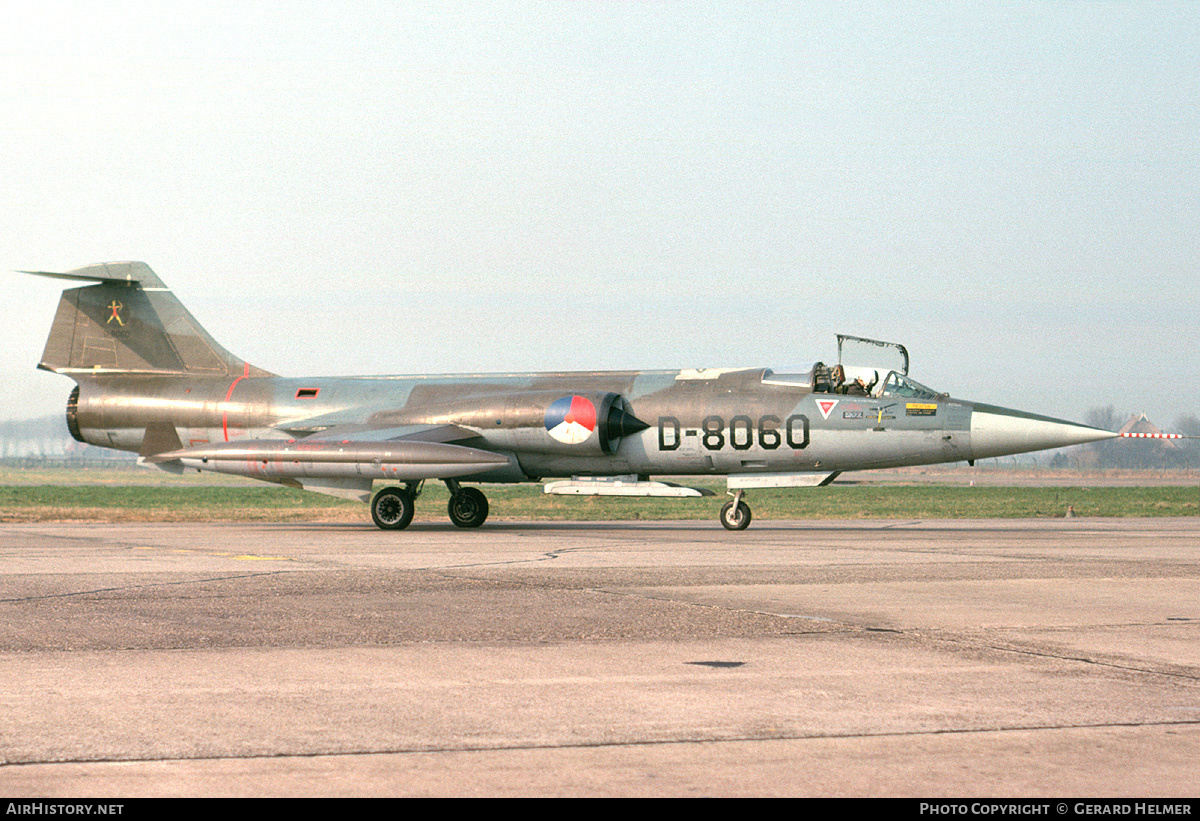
<point>152,381</point>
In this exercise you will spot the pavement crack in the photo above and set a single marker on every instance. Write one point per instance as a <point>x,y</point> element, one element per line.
<point>1175,672</point>
<point>128,587</point>
<point>425,749</point>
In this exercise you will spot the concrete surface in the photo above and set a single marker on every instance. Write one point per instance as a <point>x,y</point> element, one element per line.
<point>882,658</point>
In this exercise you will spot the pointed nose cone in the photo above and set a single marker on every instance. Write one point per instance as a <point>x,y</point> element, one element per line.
<point>1003,431</point>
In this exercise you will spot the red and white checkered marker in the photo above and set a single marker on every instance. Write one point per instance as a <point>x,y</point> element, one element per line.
<point>1154,436</point>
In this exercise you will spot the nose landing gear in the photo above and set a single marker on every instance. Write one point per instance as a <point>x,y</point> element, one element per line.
<point>735,515</point>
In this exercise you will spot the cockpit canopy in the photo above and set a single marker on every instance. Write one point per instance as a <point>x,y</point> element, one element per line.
<point>857,353</point>
<point>882,367</point>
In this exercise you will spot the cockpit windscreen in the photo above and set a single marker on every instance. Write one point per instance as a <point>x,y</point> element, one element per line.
<point>901,386</point>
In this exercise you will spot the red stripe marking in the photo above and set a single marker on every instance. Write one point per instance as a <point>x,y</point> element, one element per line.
<point>229,393</point>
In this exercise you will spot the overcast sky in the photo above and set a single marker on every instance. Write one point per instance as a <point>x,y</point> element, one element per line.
<point>1012,190</point>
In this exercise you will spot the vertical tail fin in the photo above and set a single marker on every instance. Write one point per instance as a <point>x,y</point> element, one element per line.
<point>130,322</point>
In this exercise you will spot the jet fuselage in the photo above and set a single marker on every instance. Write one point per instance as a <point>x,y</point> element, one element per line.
<point>152,381</point>
<point>699,422</point>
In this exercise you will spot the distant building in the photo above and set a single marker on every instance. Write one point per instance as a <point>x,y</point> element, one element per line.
<point>47,439</point>
<point>1140,424</point>
<point>1141,450</point>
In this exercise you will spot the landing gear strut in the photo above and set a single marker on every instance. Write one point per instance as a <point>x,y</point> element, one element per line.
<point>736,514</point>
<point>468,507</point>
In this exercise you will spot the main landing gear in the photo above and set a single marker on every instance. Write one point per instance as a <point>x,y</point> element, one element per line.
<point>393,507</point>
<point>468,506</point>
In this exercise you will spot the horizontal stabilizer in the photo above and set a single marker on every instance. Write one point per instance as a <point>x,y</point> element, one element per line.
<point>112,273</point>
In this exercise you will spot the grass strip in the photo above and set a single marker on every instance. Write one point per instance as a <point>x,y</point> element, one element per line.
<point>266,503</point>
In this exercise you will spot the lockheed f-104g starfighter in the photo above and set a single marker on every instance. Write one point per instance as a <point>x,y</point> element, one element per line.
<point>152,381</point>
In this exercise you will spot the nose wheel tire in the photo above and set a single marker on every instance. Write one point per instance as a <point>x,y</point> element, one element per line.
<point>468,507</point>
<point>392,509</point>
<point>735,516</point>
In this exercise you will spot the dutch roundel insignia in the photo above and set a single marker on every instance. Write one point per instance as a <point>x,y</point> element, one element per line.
<point>571,419</point>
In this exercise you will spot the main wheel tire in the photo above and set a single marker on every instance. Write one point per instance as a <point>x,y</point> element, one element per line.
<point>468,507</point>
<point>735,515</point>
<point>392,509</point>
